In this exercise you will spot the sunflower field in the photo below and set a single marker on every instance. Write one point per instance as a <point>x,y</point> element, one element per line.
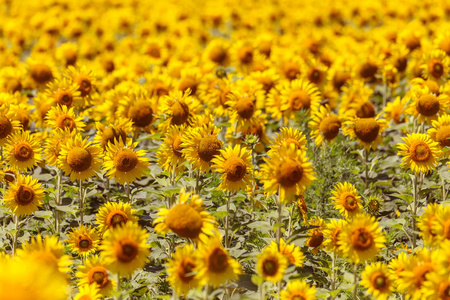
<point>260,149</point>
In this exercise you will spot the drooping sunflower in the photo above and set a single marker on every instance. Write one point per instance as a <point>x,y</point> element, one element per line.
<point>79,158</point>
<point>182,269</point>
<point>186,220</point>
<point>62,117</point>
<point>109,133</point>
<point>236,166</point>
<point>378,281</point>
<point>215,266</point>
<point>420,153</point>
<point>64,92</point>
<point>366,130</point>
<point>24,196</point>
<point>426,224</point>
<point>324,125</point>
<point>316,238</point>
<point>346,199</point>
<point>200,145</point>
<point>396,110</point>
<point>83,241</point>
<point>271,265</point>
<point>331,235</point>
<point>288,171</point>
<point>123,163</point>
<point>440,132</point>
<point>125,248</point>
<point>296,95</point>
<point>285,137</point>
<point>115,214</point>
<point>293,253</point>
<point>95,272</point>
<point>426,106</point>
<point>88,292</point>
<point>169,155</point>
<point>23,151</point>
<point>361,239</point>
<point>8,125</point>
<point>298,289</point>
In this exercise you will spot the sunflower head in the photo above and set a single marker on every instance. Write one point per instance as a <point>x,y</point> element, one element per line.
<point>377,279</point>
<point>298,290</point>
<point>182,269</point>
<point>84,240</point>
<point>24,196</point>
<point>346,199</point>
<point>420,153</point>
<point>271,265</point>
<point>115,214</point>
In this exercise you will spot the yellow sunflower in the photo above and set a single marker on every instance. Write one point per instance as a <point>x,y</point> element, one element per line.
<point>420,153</point>
<point>109,133</point>
<point>271,265</point>
<point>298,289</point>
<point>169,155</point>
<point>426,106</point>
<point>123,163</point>
<point>378,281</point>
<point>331,235</point>
<point>293,253</point>
<point>113,214</point>
<point>286,137</point>
<point>64,92</point>
<point>436,66</point>
<point>79,158</point>
<point>24,196</point>
<point>316,238</point>
<point>53,145</point>
<point>396,110</point>
<point>437,286</point>
<point>243,108</point>
<point>426,224</point>
<point>440,132</point>
<point>296,95</point>
<point>125,248</point>
<point>236,168</point>
<point>83,78</point>
<point>397,265</point>
<point>186,220</point>
<point>346,199</point>
<point>441,227</point>
<point>361,239</point>
<point>88,292</point>
<point>288,171</point>
<point>62,117</point>
<point>8,125</point>
<point>324,125</point>
<point>215,266</point>
<point>366,130</point>
<point>200,145</point>
<point>23,152</point>
<point>95,272</point>
<point>182,269</point>
<point>83,241</point>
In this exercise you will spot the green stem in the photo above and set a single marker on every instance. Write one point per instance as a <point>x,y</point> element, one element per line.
<point>227,243</point>
<point>366,163</point>
<point>107,189</point>
<point>261,291</point>
<point>414,210</point>
<point>197,182</point>
<point>128,191</point>
<point>58,200</point>
<point>80,189</point>
<point>333,270</point>
<point>355,273</point>
<point>16,234</point>
<point>206,292</point>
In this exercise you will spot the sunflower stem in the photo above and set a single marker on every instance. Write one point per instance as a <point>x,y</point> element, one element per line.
<point>119,294</point>
<point>107,189</point>
<point>261,291</point>
<point>355,273</point>
<point>280,213</point>
<point>366,163</point>
<point>414,210</point>
<point>16,234</point>
<point>127,187</point>
<point>197,181</point>
<point>80,189</point>
<point>444,191</point>
<point>333,270</point>
<point>206,292</point>
<point>227,243</point>
<point>58,200</point>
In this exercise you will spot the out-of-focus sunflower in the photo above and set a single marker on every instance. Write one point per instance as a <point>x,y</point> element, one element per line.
<point>331,235</point>
<point>426,224</point>
<point>53,144</point>
<point>420,153</point>
<point>88,292</point>
<point>9,175</point>
<point>346,199</point>
<point>83,78</point>
<point>298,289</point>
<point>324,125</point>
<point>200,145</point>
<point>22,113</point>
<point>378,281</point>
<point>285,138</point>
<point>23,151</point>
<point>397,265</point>
<point>83,241</point>
<point>94,272</point>
<point>242,137</point>
<point>217,51</point>
<point>138,106</point>
<point>215,266</point>
<point>315,239</point>
<point>440,132</point>
<point>296,95</point>
<point>374,204</point>
<point>436,66</point>
<point>426,106</point>
<point>243,108</point>
<point>169,155</point>
<point>182,269</point>
<point>236,168</point>
<point>115,214</point>
<point>390,76</point>
<point>361,239</point>
<point>123,163</point>
<point>24,196</point>
<point>441,227</point>
<point>271,265</point>
<point>42,69</point>
<point>8,125</point>
<point>125,248</point>
<point>293,253</point>
<point>396,110</point>
<point>366,130</point>
<point>62,117</point>
<point>436,286</point>
<point>79,158</point>
<point>288,171</point>
<point>64,92</point>
<point>109,133</point>
<point>186,220</point>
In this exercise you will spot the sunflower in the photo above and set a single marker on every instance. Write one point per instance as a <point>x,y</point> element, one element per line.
<point>83,78</point>
<point>397,265</point>
<point>441,226</point>
<point>436,66</point>
<point>83,241</point>
<point>182,269</point>
<point>396,110</point>
<point>64,92</point>
<point>200,145</point>
<point>440,132</point>
<point>53,144</point>
<point>437,286</point>
<point>426,106</point>
<point>186,220</point>
<point>94,272</point>
<point>324,125</point>
<point>288,171</point>
<point>23,151</point>
<point>88,292</point>
<point>253,137</point>
<point>361,239</point>
<point>48,251</point>
<point>62,117</point>
<point>138,106</point>
<point>9,175</point>
<point>236,168</point>
<point>293,253</point>
<point>298,289</point>
<point>316,238</point>
<point>24,196</point>
<point>169,154</point>
<point>79,158</point>
<point>420,153</point>
<point>125,248</point>
<point>217,51</point>
<point>113,214</point>
<point>296,95</point>
<point>374,204</point>
<point>215,266</point>
<point>378,281</point>
<point>331,235</point>
<point>42,69</point>
<point>286,137</point>
<point>123,163</point>
<point>271,264</point>
<point>243,108</point>
<point>111,132</point>
<point>8,125</point>
<point>366,130</point>
<point>426,224</point>
<point>346,199</point>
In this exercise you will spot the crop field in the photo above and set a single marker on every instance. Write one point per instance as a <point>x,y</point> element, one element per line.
<point>260,149</point>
